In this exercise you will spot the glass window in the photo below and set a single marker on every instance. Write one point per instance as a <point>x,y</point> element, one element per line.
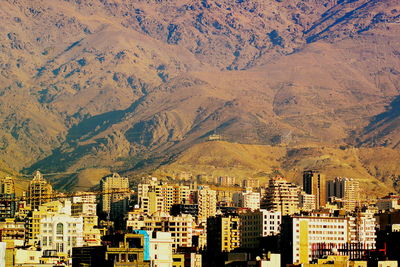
<point>60,229</point>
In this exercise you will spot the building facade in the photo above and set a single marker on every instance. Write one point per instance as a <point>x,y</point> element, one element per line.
<point>314,183</point>
<point>257,224</point>
<point>39,191</point>
<point>281,196</point>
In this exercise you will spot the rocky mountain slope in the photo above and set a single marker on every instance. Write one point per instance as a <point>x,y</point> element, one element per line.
<point>100,83</point>
<point>377,169</point>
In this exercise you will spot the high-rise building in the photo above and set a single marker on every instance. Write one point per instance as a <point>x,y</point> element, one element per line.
<point>151,203</point>
<point>347,189</point>
<point>281,196</point>
<point>115,198</point>
<point>85,206</point>
<point>258,224</point>
<point>362,229</point>
<point>223,233</point>
<point>39,191</point>
<point>7,193</point>
<point>207,203</point>
<point>314,183</point>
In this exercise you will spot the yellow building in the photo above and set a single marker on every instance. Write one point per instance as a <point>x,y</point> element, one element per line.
<point>43,211</point>
<point>39,191</point>
<point>178,260</point>
<point>223,233</point>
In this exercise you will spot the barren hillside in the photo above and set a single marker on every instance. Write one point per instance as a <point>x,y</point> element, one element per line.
<point>102,83</point>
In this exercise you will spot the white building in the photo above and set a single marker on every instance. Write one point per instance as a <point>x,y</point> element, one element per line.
<point>257,224</point>
<point>362,229</point>
<point>61,232</point>
<point>251,200</point>
<point>302,234</point>
<point>160,249</point>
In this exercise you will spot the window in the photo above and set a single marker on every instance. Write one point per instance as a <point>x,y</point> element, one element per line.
<point>60,229</point>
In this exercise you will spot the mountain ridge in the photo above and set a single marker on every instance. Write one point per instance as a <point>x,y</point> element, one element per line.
<point>118,83</point>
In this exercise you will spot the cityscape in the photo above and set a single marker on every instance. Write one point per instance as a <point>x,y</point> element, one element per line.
<point>200,133</point>
<point>199,221</point>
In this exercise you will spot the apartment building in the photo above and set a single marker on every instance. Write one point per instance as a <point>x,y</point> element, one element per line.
<point>314,183</point>
<point>281,196</point>
<point>223,233</point>
<point>7,194</point>
<point>306,237</point>
<point>39,191</point>
<point>301,234</point>
<point>307,202</point>
<point>206,200</point>
<point>154,196</point>
<point>180,227</point>
<point>346,189</point>
<point>257,224</point>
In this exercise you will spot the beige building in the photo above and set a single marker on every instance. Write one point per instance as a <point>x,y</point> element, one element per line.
<point>207,203</point>
<point>39,191</point>
<point>257,224</point>
<point>314,183</point>
<point>251,182</point>
<point>248,199</point>
<point>161,249</point>
<point>154,196</point>
<point>347,189</point>
<point>281,196</point>
<point>7,195</point>
<point>85,206</point>
<point>307,202</point>
<point>389,202</point>
<point>115,198</point>
<point>180,227</point>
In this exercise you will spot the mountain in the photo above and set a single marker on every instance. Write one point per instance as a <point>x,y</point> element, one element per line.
<point>125,84</point>
<point>376,169</point>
